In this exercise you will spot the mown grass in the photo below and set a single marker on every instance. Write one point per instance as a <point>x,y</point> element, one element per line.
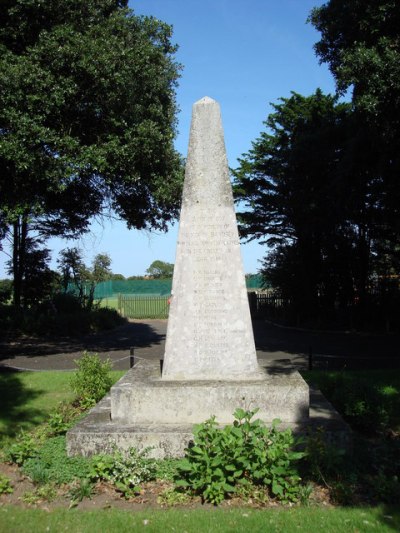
<point>27,398</point>
<point>368,398</point>
<point>32,396</point>
<point>308,520</point>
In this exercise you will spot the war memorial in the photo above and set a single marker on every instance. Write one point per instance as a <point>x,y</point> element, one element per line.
<point>210,365</point>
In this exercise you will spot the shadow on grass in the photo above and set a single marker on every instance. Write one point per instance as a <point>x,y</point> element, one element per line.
<point>15,412</point>
<point>390,516</point>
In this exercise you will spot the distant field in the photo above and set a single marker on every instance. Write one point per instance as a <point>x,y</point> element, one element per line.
<point>139,306</point>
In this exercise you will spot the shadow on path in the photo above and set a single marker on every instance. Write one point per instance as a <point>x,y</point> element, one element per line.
<point>59,354</point>
<point>329,349</point>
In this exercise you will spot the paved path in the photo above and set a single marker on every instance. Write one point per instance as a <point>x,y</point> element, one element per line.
<point>273,343</point>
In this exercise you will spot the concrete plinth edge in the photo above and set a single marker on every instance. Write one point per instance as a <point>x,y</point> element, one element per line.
<point>97,433</point>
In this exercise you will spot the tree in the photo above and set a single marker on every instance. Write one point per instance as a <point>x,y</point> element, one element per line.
<point>76,275</point>
<point>308,202</point>
<point>160,269</point>
<point>360,41</point>
<point>87,119</point>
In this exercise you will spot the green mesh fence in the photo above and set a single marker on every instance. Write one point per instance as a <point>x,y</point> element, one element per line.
<point>148,287</point>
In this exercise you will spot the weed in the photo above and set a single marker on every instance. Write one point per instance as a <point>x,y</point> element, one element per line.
<point>46,493</point>
<point>247,451</point>
<point>166,468</point>
<point>126,472</point>
<point>171,497</point>
<point>25,447</point>
<point>5,485</point>
<point>81,489</point>
<point>52,459</point>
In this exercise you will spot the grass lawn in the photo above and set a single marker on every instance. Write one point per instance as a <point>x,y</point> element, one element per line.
<point>27,398</point>
<point>369,397</point>
<point>236,520</point>
<point>139,307</point>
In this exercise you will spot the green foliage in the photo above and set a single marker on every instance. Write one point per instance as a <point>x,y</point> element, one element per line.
<point>172,497</point>
<point>51,463</point>
<point>160,269</point>
<point>46,493</point>
<point>81,130</point>
<point>5,485</point>
<point>166,468</point>
<point>62,419</point>
<point>5,290</point>
<point>92,379</point>
<point>26,447</point>
<point>125,471</point>
<point>221,459</point>
<point>81,489</point>
<point>369,404</point>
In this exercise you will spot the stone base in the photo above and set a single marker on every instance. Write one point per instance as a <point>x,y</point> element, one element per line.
<point>142,397</point>
<point>161,414</point>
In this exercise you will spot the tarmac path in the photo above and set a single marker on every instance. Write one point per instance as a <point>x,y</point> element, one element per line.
<point>147,337</point>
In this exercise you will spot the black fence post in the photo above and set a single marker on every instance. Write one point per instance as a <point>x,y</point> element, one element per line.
<point>131,357</point>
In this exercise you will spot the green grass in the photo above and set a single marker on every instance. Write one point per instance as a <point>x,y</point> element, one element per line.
<point>216,520</point>
<point>140,307</point>
<point>27,398</point>
<point>376,388</point>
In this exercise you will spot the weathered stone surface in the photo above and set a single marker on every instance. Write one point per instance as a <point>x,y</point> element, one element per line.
<point>209,332</point>
<point>142,397</point>
<point>97,433</point>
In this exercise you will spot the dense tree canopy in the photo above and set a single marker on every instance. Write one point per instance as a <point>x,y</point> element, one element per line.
<point>87,118</point>
<point>320,185</point>
<point>295,182</point>
<point>160,269</point>
<point>360,41</point>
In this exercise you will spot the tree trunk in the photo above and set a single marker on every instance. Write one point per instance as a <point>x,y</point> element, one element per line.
<point>20,232</point>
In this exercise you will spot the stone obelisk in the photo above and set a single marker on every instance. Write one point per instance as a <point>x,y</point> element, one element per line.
<point>209,332</point>
<point>210,365</point>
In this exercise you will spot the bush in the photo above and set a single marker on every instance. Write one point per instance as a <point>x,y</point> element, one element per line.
<point>126,472</point>
<point>66,303</point>
<point>92,379</point>
<point>221,461</point>
<point>104,318</point>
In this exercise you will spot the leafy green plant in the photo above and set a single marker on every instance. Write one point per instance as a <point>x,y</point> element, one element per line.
<point>62,419</point>
<point>5,485</point>
<point>125,471</point>
<point>171,497</point>
<point>46,493</point>
<point>92,379</point>
<point>166,468</point>
<point>53,463</point>
<point>25,447</point>
<point>81,489</point>
<point>222,459</point>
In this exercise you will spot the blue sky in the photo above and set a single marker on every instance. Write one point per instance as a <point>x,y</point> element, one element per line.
<point>243,53</point>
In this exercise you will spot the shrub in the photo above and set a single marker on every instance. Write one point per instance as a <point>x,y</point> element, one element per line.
<point>126,472</point>
<point>25,447</point>
<point>221,460</point>
<point>92,379</point>
<point>104,318</point>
